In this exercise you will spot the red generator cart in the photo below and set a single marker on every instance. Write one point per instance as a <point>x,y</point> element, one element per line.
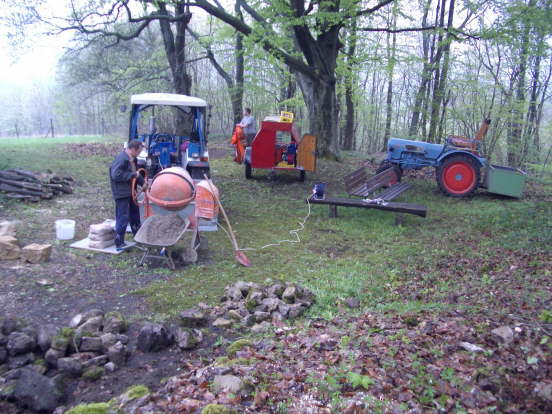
<point>277,146</point>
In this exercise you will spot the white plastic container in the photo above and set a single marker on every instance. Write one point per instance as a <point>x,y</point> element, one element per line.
<point>65,229</point>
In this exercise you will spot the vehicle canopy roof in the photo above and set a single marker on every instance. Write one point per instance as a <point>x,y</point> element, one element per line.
<point>167,99</point>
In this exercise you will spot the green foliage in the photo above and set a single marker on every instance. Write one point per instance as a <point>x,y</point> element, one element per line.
<point>236,346</point>
<point>357,380</point>
<point>136,391</point>
<point>94,408</point>
<point>93,373</point>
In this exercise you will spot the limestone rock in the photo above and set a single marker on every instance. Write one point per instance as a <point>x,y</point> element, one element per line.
<point>193,318</point>
<point>20,360</point>
<point>470,347</point>
<point>108,340</point>
<point>261,316</point>
<point>45,335</point>
<point>261,327</point>
<point>222,323</point>
<point>37,392</point>
<point>154,337</point>
<point>76,320</point>
<point>186,338</point>
<point>10,325</point>
<point>3,355</point>
<point>9,248</point>
<point>92,325</point>
<point>95,362</point>
<point>276,290</point>
<point>51,357</point>
<point>234,315</point>
<point>59,343</point>
<point>37,253</point>
<point>249,320</point>
<point>234,293</point>
<point>70,366</point>
<point>8,228</point>
<point>296,310</point>
<point>227,383</point>
<point>90,344</point>
<point>110,367</point>
<point>271,304</point>
<point>503,335</point>
<point>20,343</point>
<point>243,287</point>
<point>114,322</point>
<point>117,354</point>
<point>290,294</point>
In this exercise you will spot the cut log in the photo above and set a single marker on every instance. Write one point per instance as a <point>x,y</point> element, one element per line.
<point>25,174</point>
<point>22,184</point>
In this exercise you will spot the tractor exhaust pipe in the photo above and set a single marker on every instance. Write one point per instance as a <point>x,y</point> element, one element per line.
<point>483,130</point>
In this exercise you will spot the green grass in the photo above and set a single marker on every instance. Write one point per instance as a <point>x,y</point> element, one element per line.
<point>362,253</point>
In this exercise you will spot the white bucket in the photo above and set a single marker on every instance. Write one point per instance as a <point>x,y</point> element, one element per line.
<point>65,229</point>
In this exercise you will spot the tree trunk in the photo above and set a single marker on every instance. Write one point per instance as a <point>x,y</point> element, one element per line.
<point>236,92</point>
<point>349,129</point>
<point>391,70</point>
<point>441,75</point>
<point>175,48</point>
<point>321,101</point>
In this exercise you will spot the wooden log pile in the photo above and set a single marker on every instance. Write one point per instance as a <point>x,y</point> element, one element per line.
<point>30,186</point>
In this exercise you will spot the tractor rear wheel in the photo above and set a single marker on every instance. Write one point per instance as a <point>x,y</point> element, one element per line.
<point>458,176</point>
<point>248,174</point>
<point>385,164</point>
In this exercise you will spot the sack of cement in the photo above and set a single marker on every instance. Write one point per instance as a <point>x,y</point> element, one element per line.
<point>102,244</point>
<point>107,226</point>
<point>101,236</point>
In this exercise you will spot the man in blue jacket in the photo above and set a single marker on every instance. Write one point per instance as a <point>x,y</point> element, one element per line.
<point>122,171</point>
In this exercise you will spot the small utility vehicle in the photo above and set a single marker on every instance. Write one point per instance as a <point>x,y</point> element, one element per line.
<point>184,146</point>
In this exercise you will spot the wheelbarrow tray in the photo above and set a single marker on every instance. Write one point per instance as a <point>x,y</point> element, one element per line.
<point>162,230</point>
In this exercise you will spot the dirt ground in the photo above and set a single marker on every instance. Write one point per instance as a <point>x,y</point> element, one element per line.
<point>75,281</point>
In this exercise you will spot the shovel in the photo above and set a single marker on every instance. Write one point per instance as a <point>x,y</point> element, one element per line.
<point>238,254</point>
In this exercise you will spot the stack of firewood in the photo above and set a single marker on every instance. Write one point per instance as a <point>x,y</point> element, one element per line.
<point>31,186</point>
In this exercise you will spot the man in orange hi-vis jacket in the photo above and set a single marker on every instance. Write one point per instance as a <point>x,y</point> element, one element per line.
<point>238,140</point>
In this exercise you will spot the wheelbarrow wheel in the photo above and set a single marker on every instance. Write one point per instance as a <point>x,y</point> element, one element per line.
<point>248,170</point>
<point>458,176</point>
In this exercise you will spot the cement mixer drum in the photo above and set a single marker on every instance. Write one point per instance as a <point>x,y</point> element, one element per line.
<point>172,188</point>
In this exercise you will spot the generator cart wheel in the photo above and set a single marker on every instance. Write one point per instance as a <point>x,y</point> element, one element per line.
<point>248,174</point>
<point>458,176</point>
<point>302,175</point>
<point>385,164</point>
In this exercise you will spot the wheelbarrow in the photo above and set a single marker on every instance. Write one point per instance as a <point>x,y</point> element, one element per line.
<point>159,233</point>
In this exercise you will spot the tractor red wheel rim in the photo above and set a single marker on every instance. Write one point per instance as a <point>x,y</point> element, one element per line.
<point>459,177</point>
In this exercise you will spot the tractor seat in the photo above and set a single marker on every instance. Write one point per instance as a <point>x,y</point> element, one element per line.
<point>462,142</point>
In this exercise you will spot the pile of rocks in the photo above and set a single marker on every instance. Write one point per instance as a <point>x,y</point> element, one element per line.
<point>255,306</point>
<point>10,248</point>
<point>246,304</point>
<point>39,358</point>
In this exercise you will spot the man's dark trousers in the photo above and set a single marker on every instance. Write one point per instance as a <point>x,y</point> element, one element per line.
<point>125,212</point>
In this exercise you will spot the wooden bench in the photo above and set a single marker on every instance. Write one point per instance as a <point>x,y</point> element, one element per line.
<point>359,184</point>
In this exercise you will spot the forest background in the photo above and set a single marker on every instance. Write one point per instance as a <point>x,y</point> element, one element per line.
<point>353,72</point>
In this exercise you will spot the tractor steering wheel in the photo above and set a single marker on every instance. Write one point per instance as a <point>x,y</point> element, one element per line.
<point>163,137</point>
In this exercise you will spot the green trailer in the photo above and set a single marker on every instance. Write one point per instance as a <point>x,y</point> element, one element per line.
<point>505,181</point>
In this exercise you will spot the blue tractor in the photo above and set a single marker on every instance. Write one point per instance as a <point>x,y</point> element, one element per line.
<point>186,148</point>
<point>457,163</point>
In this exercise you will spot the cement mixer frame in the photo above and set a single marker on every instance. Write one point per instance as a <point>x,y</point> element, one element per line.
<point>187,149</point>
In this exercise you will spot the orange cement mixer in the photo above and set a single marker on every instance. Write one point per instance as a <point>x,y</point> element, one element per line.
<point>172,188</point>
